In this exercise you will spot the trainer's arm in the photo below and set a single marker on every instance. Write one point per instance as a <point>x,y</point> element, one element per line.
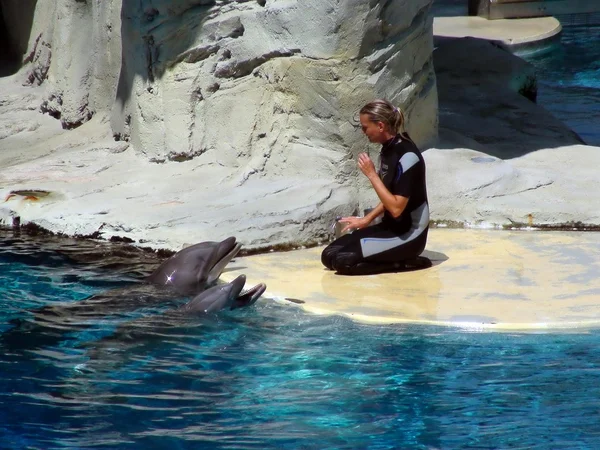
<point>358,223</point>
<point>374,213</point>
<point>395,204</point>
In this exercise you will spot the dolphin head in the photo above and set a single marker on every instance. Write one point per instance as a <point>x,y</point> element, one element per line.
<point>225,296</point>
<point>190,270</point>
<point>225,251</point>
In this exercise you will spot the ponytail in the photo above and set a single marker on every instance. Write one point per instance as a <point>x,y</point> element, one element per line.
<point>383,111</point>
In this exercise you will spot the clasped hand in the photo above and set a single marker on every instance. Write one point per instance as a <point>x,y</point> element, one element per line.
<point>353,223</point>
<point>366,166</point>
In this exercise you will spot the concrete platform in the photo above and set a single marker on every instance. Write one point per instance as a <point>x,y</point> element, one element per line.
<point>512,32</point>
<point>488,279</point>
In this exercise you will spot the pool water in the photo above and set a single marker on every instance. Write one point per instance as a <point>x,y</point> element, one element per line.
<point>568,71</point>
<point>569,80</point>
<point>270,376</point>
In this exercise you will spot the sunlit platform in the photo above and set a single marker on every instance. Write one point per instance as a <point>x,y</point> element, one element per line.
<point>511,32</point>
<point>488,279</point>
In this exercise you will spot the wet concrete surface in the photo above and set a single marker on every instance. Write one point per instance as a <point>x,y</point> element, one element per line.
<point>492,279</point>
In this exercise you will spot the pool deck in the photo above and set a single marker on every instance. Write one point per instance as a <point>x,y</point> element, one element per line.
<point>488,279</point>
<point>512,32</point>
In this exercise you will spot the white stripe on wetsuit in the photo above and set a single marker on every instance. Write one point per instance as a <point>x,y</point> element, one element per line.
<point>420,220</point>
<point>408,160</point>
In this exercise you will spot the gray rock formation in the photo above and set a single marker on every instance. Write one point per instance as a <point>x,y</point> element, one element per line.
<point>196,119</point>
<point>502,160</point>
<point>261,84</point>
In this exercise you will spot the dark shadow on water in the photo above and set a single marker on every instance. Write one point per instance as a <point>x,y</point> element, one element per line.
<point>34,247</point>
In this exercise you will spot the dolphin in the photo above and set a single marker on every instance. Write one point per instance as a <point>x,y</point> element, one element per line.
<point>192,269</point>
<point>225,296</point>
<point>186,273</point>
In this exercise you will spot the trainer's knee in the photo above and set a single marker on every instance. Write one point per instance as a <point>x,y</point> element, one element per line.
<point>328,256</point>
<point>344,262</point>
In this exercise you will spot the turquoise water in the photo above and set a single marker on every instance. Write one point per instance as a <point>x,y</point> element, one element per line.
<point>569,80</point>
<point>270,376</point>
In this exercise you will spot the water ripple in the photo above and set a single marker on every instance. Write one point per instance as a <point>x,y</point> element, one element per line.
<point>271,376</point>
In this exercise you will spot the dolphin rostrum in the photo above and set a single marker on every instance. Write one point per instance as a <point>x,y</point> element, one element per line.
<point>225,296</point>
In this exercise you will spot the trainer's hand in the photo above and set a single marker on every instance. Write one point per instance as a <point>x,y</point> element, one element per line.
<point>353,223</point>
<point>366,166</point>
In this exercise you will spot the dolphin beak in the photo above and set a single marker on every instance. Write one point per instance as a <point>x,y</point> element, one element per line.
<point>217,297</point>
<point>225,296</point>
<point>226,251</point>
<point>237,285</point>
<point>249,297</point>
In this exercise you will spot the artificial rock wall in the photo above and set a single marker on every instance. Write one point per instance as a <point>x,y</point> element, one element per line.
<point>265,84</point>
<point>184,77</point>
<point>262,88</point>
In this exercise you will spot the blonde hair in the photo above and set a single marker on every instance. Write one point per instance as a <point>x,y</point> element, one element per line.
<point>381,110</point>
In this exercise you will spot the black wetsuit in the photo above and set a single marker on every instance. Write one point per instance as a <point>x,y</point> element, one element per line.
<point>395,243</point>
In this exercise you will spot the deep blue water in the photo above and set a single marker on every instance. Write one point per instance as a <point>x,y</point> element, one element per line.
<point>568,72</point>
<point>569,80</point>
<point>269,376</point>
